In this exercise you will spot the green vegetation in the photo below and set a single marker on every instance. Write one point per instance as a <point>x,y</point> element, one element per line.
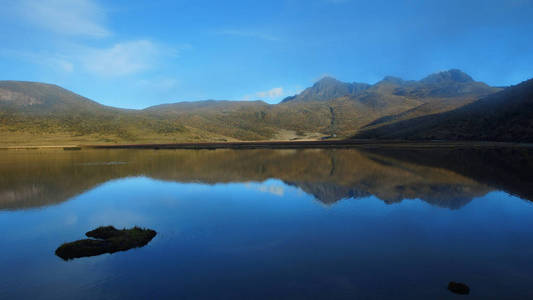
<point>42,114</point>
<point>106,240</point>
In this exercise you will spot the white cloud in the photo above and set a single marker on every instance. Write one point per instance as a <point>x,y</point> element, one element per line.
<point>69,17</point>
<point>273,93</point>
<point>270,94</point>
<point>56,62</point>
<point>122,58</point>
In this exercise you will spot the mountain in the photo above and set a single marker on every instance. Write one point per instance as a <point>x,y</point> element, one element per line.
<point>355,106</point>
<point>37,113</point>
<point>503,116</point>
<point>446,84</point>
<point>453,75</point>
<point>328,88</point>
<point>39,98</point>
<point>243,120</point>
<point>451,83</point>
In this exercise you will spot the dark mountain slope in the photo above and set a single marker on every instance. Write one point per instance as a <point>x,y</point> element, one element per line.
<point>503,116</point>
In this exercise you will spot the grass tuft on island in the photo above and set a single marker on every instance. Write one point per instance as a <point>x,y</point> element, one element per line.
<point>106,239</point>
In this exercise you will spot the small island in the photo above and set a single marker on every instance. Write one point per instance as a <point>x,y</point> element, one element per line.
<point>106,239</point>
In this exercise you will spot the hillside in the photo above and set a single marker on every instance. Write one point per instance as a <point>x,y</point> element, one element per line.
<point>38,113</point>
<point>331,107</point>
<point>503,116</point>
<point>34,98</point>
<point>389,100</point>
<point>243,120</point>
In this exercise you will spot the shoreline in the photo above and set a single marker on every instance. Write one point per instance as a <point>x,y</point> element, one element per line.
<point>286,145</point>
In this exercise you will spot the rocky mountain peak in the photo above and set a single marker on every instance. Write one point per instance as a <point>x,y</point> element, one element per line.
<point>453,75</point>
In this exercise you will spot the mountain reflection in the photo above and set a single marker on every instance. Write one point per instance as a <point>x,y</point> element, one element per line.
<point>447,178</point>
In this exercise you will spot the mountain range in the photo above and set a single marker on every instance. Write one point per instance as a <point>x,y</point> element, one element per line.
<point>445,105</point>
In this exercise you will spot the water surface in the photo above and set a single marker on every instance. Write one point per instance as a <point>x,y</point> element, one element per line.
<point>287,224</point>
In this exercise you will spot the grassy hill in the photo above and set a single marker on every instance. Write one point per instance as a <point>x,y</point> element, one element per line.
<point>331,107</point>
<point>503,116</point>
<point>38,113</point>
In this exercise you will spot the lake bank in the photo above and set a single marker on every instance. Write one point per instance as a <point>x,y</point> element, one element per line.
<point>288,145</point>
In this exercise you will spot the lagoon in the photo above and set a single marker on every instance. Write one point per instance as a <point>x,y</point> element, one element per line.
<point>284,224</point>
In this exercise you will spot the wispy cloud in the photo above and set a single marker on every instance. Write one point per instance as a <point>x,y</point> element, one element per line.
<point>49,60</point>
<point>248,34</point>
<point>270,94</point>
<point>69,17</point>
<point>273,93</point>
<point>119,59</point>
<point>122,58</point>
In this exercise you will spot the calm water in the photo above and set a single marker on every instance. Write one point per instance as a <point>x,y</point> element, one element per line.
<point>274,224</point>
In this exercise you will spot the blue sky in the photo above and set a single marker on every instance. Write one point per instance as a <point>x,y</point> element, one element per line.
<point>139,53</point>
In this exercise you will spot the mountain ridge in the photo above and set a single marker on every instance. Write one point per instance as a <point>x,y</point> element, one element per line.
<point>38,111</point>
<point>329,87</point>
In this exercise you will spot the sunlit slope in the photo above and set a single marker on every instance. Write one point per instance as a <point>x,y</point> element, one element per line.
<point>332,107</point>
<point>37,113</point>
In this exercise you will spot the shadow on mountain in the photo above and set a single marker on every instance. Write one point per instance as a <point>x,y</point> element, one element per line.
<point>445,178</point>
<point>503,116</point>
